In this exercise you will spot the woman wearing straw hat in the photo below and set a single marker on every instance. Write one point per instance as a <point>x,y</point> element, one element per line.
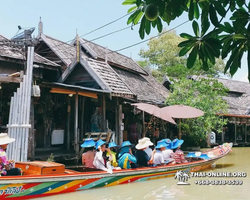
<point>89,155</point>
<point>6,166</point>
<point>178,155</point>
<point>100,160</point>
<point>142,157</point>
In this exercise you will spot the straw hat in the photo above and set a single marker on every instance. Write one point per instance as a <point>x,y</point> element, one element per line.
<point>5,139</point>
<point>143,143</point>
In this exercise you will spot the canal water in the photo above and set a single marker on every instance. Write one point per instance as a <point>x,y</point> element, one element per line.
<point>236,161</point>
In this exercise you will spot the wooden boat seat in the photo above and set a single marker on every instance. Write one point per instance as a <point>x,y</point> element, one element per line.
<point>40,168</point>
<point>105,136</point>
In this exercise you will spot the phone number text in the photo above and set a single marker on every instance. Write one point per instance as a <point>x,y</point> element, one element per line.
<point>218,182</point>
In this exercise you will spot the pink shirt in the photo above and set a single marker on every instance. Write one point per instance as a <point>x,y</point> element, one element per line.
<point>3,161</point>
<point>179,156</point>
<point>88,158</point>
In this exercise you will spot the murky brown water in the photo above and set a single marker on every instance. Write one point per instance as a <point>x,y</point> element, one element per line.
<point>236,161</point>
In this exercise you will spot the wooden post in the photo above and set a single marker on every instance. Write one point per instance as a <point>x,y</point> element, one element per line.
<point>76,125</point>
<point>222,134</point>
<point>143,124</point>
<point>82,119</point>
<point>31,147</point>
<point>116,121</point>
<point>246,133</point>
<point>104,128</point>
<point>235,132</point>
<point>120,135</point>
<point>68,123</point>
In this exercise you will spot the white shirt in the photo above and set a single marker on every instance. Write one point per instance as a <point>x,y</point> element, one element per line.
<point>158,157</point>
<point>167,154</point>
<point>99,162</point>
<point>149,151</point>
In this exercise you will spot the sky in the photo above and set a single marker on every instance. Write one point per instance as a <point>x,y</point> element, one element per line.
<point>64,19</point>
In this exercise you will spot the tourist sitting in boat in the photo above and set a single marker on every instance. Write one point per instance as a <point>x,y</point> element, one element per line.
<point>126,159</point>
<point>6,166</point>
<point>158,157</point>
<point>149,149</point>
<point>113,146</point>
<point>89,155</point>
<point>143,159</point>
<point>100,160</point>
<point>178,155</point>
<point>168,151</point>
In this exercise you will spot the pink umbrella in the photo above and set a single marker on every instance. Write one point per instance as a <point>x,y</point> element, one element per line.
<point>155,111</point>
<point>181,112</point>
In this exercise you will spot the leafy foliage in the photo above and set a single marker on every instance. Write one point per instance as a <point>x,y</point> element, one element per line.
<point>162,55</point>
<point>205,94</point>
<point>214,35</point>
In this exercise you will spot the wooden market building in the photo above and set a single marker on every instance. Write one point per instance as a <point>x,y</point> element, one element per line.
<point>76,80</point>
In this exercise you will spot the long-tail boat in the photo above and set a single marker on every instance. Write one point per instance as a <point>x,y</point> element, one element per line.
<point>41,178</point>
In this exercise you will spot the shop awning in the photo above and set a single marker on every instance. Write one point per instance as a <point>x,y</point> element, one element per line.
<point>68,91</point>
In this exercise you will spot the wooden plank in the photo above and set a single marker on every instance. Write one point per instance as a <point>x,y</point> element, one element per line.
<point>10,79</point>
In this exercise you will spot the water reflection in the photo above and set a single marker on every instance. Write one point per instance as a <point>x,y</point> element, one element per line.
<point>161,189</point>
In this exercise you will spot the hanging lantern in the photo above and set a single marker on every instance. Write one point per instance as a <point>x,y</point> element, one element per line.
<point>243,120</point>
<point>231,120</point>
<point>237,120</point>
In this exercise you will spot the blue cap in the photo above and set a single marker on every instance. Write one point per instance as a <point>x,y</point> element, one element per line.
<point>176,143</point>
<point>126,143</point>
<point>161,144</point>
<point>89,142</point>
<point>168,141</point>
<point>191,155</point>
<point>112,144</point>
<point>99,143</point>
<point>204,156</point>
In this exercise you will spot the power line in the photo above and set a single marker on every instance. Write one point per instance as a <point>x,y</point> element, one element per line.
<point>105,25</point>
<point>93,31</point>
<point>144,40</point>
<point>86,41</point>
<point>127,47</point>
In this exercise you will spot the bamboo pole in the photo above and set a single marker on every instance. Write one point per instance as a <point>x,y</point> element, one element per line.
<point>10,148</point>
<point>27,120</point>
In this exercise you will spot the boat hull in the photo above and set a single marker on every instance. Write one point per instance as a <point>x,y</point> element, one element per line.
<point>27,187</point>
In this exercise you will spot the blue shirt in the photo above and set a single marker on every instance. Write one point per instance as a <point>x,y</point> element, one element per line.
<point>125,159</point>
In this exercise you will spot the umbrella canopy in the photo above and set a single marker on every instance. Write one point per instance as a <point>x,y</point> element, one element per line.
<point>181,111</point>
<point>154,110</point>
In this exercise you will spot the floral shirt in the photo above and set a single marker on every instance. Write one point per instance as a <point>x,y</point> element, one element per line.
<point>4,161</point>
<point>178,156</point>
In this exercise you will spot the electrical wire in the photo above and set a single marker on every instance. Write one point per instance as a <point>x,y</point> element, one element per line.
<point>93,31</point>
<point>143,40</point>
<point>87,41</point>
<point>135,44</point>
<point>105,25</point>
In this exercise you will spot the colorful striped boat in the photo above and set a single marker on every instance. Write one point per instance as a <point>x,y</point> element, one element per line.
<point>53,181</point>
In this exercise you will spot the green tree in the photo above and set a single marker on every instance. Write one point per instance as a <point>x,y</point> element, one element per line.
<point>205,94</point>
<point>162,55</point>
<point>223,28</point>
